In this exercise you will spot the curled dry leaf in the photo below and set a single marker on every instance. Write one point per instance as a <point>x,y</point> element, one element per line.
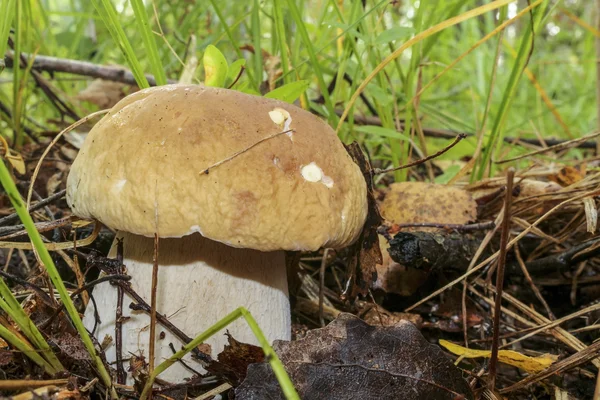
<point>349,359</point>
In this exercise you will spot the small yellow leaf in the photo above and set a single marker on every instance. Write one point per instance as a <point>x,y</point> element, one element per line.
<point>526,363</point>
<point>16,161</point>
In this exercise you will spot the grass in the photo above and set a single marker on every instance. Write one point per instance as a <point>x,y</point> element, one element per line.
<point>492,70</point>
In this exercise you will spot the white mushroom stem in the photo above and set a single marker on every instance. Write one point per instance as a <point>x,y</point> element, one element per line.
<point>199,282</point>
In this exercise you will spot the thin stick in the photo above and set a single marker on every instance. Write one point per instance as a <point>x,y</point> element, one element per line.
<point>560,146</point>
<point>322,285</point>
<point>53,64</point>
<point>461,136</point>
<point>153,309</point>
<point>237,153</point>
<point>20,384</point>
<point>500,275</point>
<point>119,317</point>
<point>14,217</point>
<point>535,289</point>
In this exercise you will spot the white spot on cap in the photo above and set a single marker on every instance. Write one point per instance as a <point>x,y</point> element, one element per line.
<point>119,185</point>
<point>327,181</point>
<point>313,173</point>
<point>163,142</point>
<point>277,116</point>
<point>282,118</point>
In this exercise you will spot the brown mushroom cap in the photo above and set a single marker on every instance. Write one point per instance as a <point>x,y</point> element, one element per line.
<point>141,170</point>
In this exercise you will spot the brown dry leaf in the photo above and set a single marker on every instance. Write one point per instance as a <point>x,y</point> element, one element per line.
<point>349,359</point>
<point>6,356</point>
<point>105,94</point>
<point>533,188</point>
<point>374,314</point>
<point>71,346</point>
<point>567,176</point>
<point>419,202</point>
<point>365,253</point>
<point>232,363</point>
<point>53,183</point>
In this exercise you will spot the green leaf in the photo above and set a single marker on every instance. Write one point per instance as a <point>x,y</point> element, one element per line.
<point>215,67</point>
<point>381,131</point>
<point>290,92</point>
<point>397,33</point>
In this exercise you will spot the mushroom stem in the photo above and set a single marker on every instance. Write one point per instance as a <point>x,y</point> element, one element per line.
<point>199,282</point>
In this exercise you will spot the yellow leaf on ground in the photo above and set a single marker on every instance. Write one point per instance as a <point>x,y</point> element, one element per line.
<point>526,363</point>
<point>16,160</point>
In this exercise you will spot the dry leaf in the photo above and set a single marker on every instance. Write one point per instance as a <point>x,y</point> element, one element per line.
<point>71,346</point>
<point>374,314</point>
<point>521,361</point>
<point>6,356</point>
<point>349,359</point>
<point>105,94</point>
<point>419,202</point>
<point>53,183</point>
<point>16,160</point>
<point>567,176</point>
<point>232,363</point>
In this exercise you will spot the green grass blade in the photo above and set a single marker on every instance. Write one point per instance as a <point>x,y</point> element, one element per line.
<point>278,369</point>
<point>417,39</point>
<point>108,14</point>
<point>509,92</point>
<point>256,35</point>
<point>332,117</point>
<point>11,190</point>
<point>7,12</point>
<point>141,17</point>
<point>281,39</point>
<point>17,77</point>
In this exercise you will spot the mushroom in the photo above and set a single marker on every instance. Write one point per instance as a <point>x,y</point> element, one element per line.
<point>206,170</point>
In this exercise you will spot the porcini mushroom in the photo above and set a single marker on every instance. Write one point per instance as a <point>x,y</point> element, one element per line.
<point>206,170</point>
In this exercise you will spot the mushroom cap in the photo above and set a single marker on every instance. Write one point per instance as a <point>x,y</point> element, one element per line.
<point>142,169</point>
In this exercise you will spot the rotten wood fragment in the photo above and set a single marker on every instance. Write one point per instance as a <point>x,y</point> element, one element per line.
<point>433,250</point>
<point>365,254</point>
